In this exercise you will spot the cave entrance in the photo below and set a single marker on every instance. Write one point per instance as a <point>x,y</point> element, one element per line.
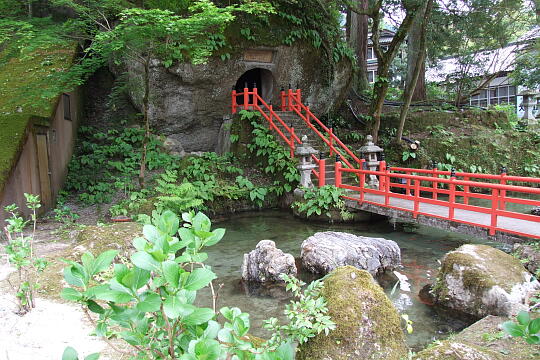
<point>262,78</point>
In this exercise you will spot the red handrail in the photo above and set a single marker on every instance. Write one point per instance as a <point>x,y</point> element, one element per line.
<point>497,197</point>
<point>290,141</point>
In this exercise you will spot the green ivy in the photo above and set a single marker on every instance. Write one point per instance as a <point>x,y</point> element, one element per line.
<point>322,201</point>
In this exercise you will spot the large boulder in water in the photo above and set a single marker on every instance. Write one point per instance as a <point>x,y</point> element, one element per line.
<point>267,263</point>
<point>325,251</point>
<point>480,280</point>
<point>453,350</point>
<point>367,324</point>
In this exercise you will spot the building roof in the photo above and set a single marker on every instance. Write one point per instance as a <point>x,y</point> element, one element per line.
<point>485,62</point>
<point>23,81</point>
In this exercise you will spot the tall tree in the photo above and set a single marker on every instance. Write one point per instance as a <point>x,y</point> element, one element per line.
<point>357,34</point>
<point>416,50</point>
<point>413,78</point>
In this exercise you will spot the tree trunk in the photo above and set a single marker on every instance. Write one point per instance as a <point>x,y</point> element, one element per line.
<point>29,4</point>
<point>414,52</point>
<point>146,80</point>
<point>358,40</point>
<point>418,68</point>
<point>379,91</point>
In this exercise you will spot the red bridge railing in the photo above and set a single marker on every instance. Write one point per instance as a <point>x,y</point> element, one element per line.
<point>414,189</point>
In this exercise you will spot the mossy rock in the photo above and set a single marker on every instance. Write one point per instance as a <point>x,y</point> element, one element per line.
<point>368,325</point>
<point>451,350</point>
<point>480,280</point>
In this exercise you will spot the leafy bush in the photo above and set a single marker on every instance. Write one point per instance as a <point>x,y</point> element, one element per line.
<point>323,200</point>
<point>525,327</point>
<point>20,253</point>
<point>150,302</point>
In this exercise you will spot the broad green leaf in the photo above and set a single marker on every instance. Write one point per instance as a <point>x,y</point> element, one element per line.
<point>512,328</point>
<point>73,279</point>
<point>103,261</point>
<point>71,294</point>
<point>114,296</point>
<point>523,318</point>
<point>120,270</point>
<point>206,349</point>
<point>533,340</point>
<point>184,258</point>
<point>145,261</point>
<point>186,235</point>
<point>534,326</point>
<point>94,356</point>
<point>201,222</point>
<point>136,278</point>
<point>199,316</point>
<point>171,272</point>
<point>140,243</point>
<point>70,354</point>
<point>151,233</point>
<point>150,302</point>
<point>94,307</point>
<point>198,279</point>
<point>212,329</point>
<point>87,260</point>
<point>168,222</point>
<point>174,308</point>
<point>217,235</point>
<point>199,257</point>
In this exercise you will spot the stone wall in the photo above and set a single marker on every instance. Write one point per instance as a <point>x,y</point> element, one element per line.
<point>188,102</point>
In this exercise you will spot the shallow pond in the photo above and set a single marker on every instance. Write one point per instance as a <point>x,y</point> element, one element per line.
<point>421,247</point>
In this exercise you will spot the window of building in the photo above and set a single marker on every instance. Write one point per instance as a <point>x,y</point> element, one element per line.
<point>504,94</point>
<point>67,106</point>
<point>371,76</point>
<point>370,53</point>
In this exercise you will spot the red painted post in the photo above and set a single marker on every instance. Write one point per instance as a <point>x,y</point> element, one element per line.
<point>289,98</point>
<point>234,105</point>
<point>270,120</point>
<point>362,180</point>
<point>452,199</point>
<point>382,168</point>
<point>502,204</point>
<point>494,203</point>
<point>435,184</point>
<point>322,172</point>
<point>292,142</point>
<point>338,174</point>
<point>416,198</point>
<point>255,92</point>
<point>299,96</point>
<point>466,190</point>
<point>246,98</point>
<point>408,185</point>
<point>387,181</point>
<point>331,133</point>
<point>283,101</point>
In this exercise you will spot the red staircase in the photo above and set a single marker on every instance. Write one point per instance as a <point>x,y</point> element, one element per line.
<point>428,192</point>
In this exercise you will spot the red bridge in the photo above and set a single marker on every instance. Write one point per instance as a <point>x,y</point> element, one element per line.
<point>430,196</point>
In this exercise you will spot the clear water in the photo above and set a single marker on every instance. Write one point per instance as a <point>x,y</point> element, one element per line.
<point>421,248</point>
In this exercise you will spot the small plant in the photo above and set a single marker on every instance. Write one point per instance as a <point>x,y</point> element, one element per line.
<point>322,201</point>
<point>525,327</point>
<point>150,302</point>
<point>408,323</point>
<point>71,354</point>
<point>20,253</point>
<point>408,154</point>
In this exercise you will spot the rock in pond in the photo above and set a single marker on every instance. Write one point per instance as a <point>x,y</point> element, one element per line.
<point>267,263</point>
<point>367,324</point>
<point>480,280</point>
<point>481,340</point>
<point>325,251</point>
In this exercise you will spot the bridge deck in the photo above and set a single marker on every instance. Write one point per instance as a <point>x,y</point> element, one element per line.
<point>505,223</point>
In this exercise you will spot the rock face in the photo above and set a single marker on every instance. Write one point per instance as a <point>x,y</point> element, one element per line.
<point>529,255</point>
<point>480,280</point>
<point>367,324</point>
<point>481,340</point>
<point>325,251</point>
<point>267,263</point>
<point>187,102</point>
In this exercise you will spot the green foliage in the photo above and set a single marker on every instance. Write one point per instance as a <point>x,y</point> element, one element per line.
<point>19,250</point>
<point>526,328</point>
<point>106,162</point>
<point>408,154</point>
<point>174,196</point>
<point>322,200</point>
<point>71,354</point>
<point>307,315</point>
<point>272,157</point>
<point>62,212</point>
<point>150,302</point>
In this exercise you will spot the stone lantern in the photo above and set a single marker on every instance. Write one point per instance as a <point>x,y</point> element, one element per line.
<point>369,153</point>
<point>305,165</point>
<point>529,104</point>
